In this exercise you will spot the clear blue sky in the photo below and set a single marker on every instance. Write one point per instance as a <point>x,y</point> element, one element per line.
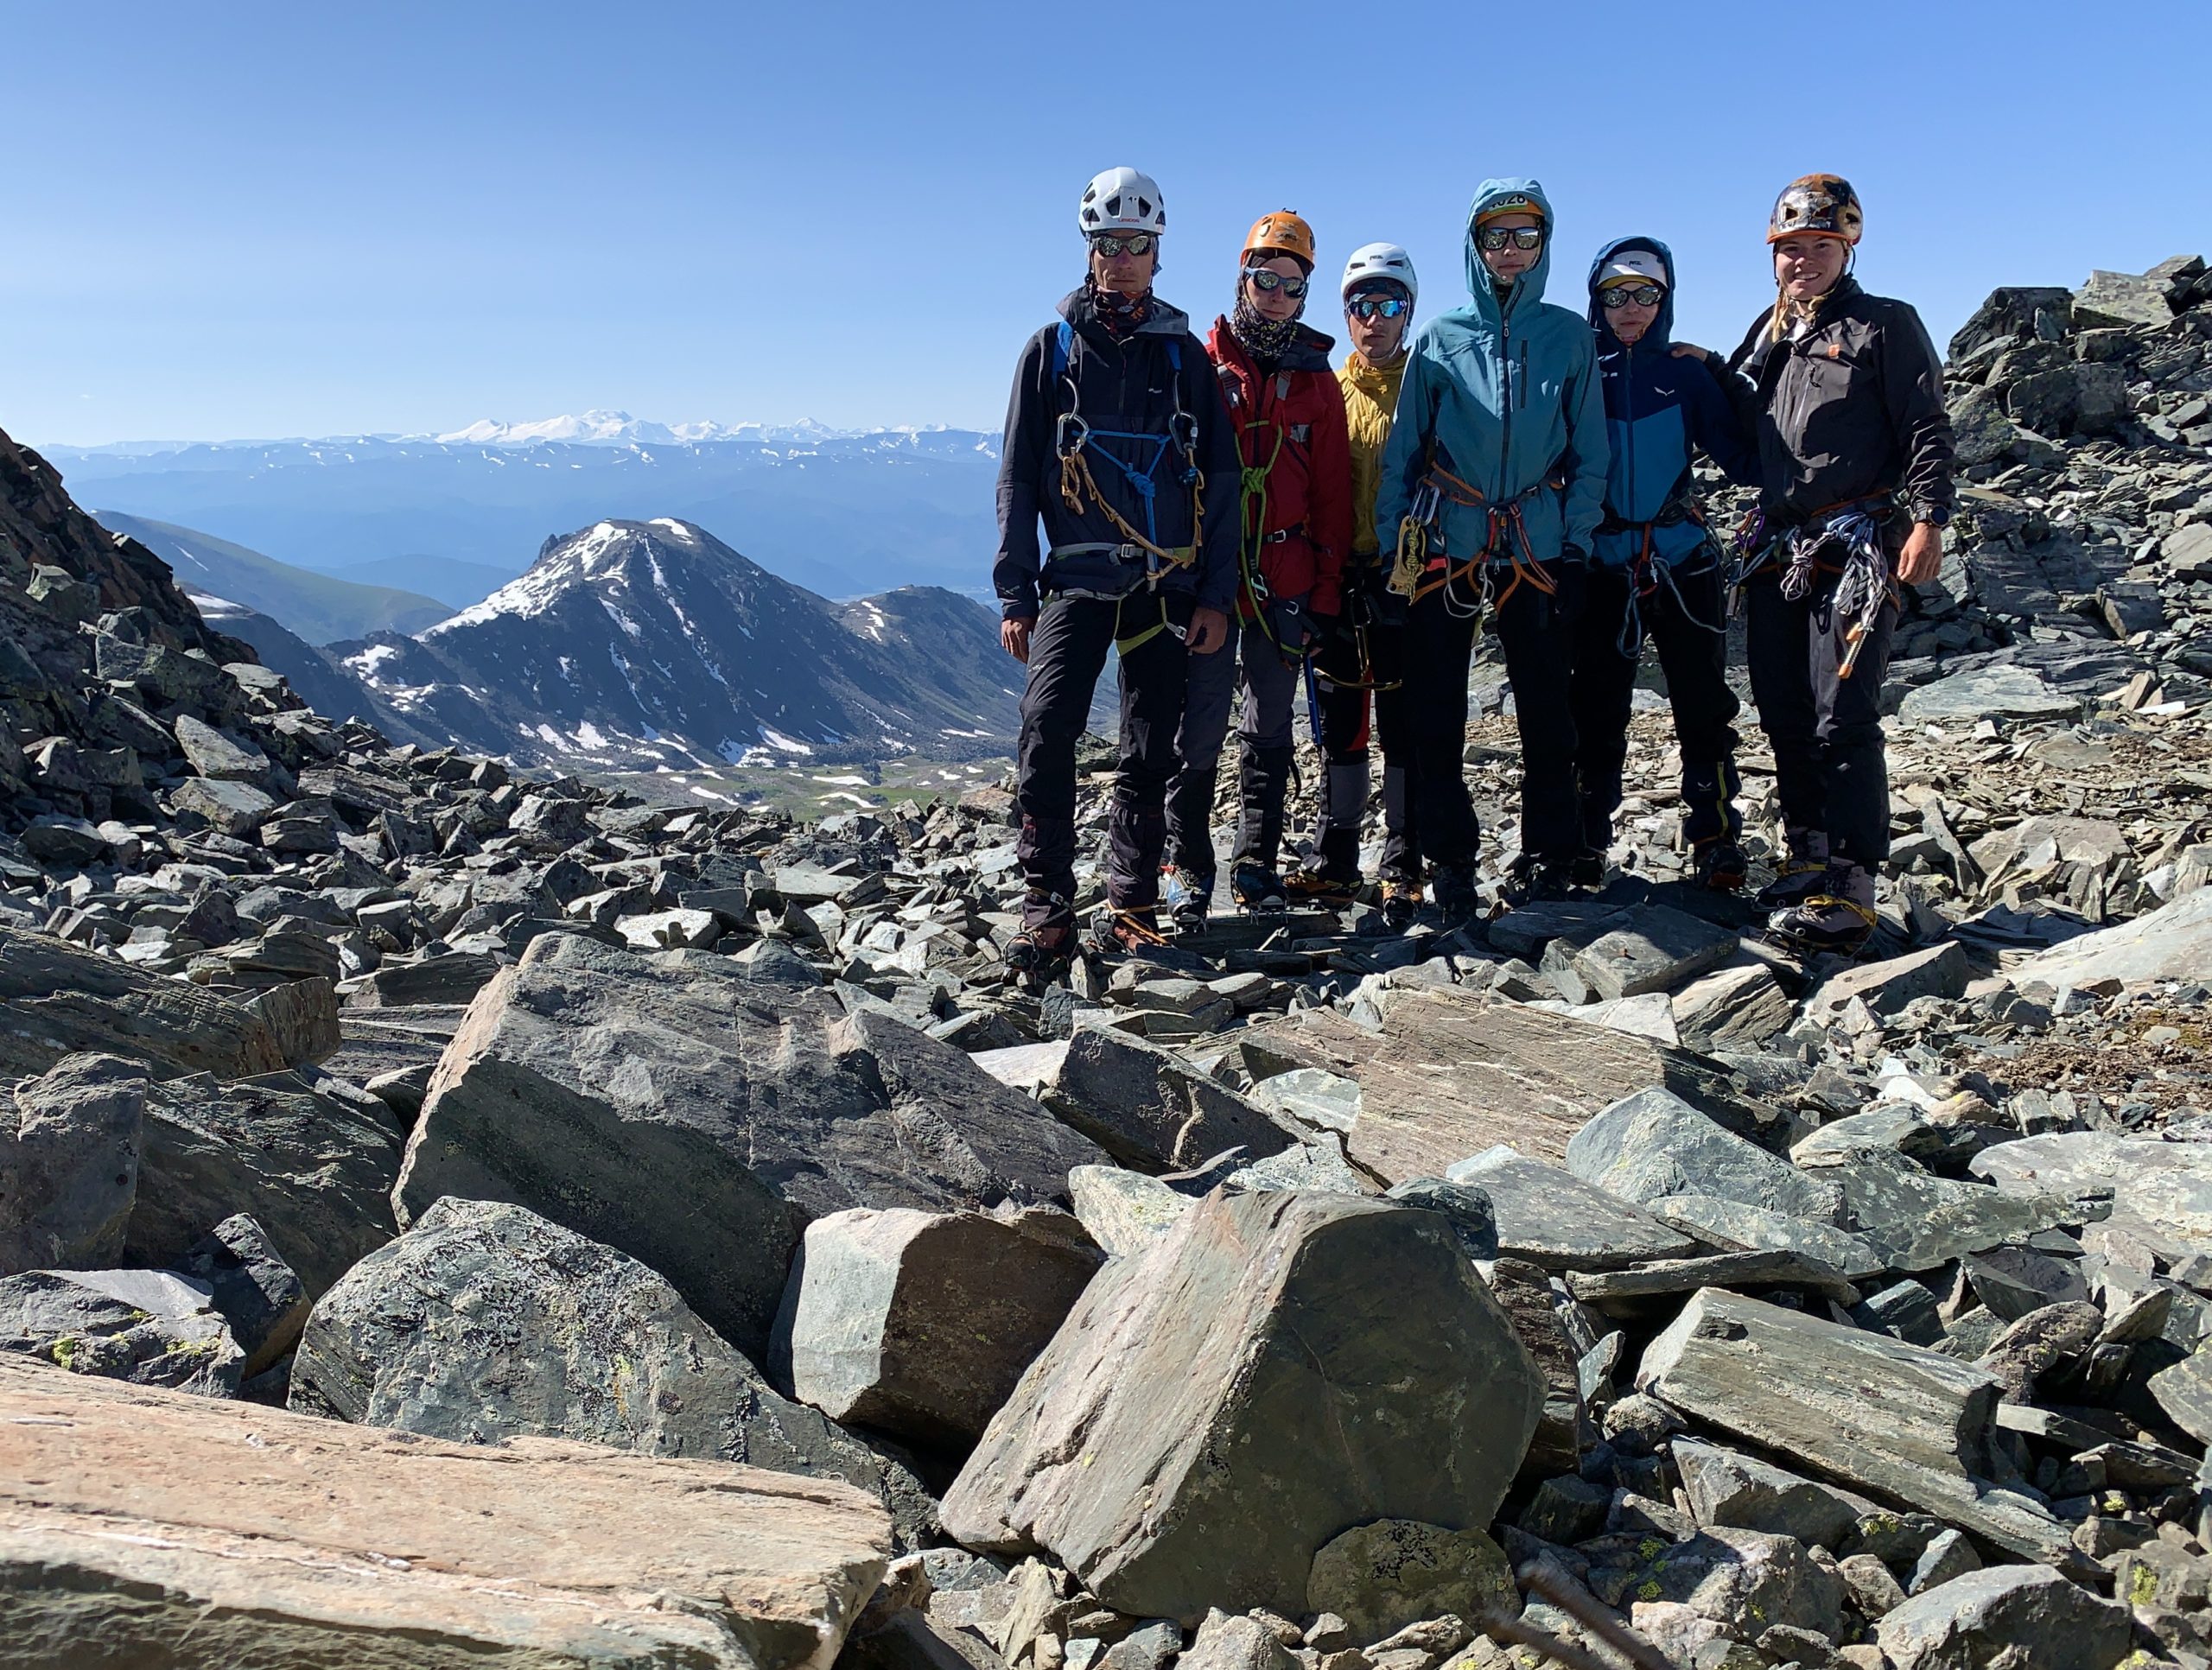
<point>251,220</point>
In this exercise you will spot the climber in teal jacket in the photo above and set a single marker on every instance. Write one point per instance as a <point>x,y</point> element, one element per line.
<point>1492,489</point>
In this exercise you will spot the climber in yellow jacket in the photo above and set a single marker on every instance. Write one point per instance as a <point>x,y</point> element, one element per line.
<point>1365,653</point>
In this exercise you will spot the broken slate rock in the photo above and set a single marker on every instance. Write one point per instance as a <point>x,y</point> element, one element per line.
<point>920,1324</point>
<point>1549,1216</point>
<point>1124,1211</point>
<point>69,1146</point>
<point>1654,1144</point>
<point>208,1533</point>
<point>485,1322</point>
<point>2160,1193</point>
<point>1797,1385</point>
<point>1219,1405</point>
<point>2172,942</point>
<point>1726,1488</point>
<point>1917,1221</point>
<point>1380,1577</point>
<point>145,1326</point>
<point>1885,987</point>
<point>255,1291</point>
<point>599,1088</point>
<point>1732,1223</point>
<point>57,999</point>
<point>2006,1614</point>
<point>1149,1107</point>
<point>1468,1207</point>
<point>1652,950</point>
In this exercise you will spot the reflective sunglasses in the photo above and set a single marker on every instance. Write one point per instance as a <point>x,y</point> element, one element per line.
<point>1367,306</point>
<point>1136,244</point>
<point>1495,238</point>
<point>1265,278</point>
<point>1645,295</point>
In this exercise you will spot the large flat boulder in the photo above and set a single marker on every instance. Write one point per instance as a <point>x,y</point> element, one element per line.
<point>1149,1107</point>
<point>1652,1144</point>
<point>1453,1072</point>
<point>667,1107</point>
<point>920,1324</point>
<point>2161,1192</point>
<point>486,1322</point>
<point>1547,1214</point>
<point>1221,1405</point>
<point>2172,942</point>
<point>2006,1614</point>
<point>57,999</point>
<point>69,1144</point>
<point>1861,1407</point>
<point>313,1170</point>
<point>179,1531</point>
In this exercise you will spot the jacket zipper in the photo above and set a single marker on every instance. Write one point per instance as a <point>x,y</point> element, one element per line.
<point>1628,407</point>
<point>1505,405</point>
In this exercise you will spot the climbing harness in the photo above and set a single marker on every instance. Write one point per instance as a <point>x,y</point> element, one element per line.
<point>1802,554</point>
<point>1649,573</point>
<point>1419,570</point>
<point>1103,568</point>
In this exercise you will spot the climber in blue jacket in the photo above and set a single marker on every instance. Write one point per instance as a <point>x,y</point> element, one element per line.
<point>1655,569</point>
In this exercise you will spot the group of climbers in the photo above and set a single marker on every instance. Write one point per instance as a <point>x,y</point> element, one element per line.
<point>1234,519</point>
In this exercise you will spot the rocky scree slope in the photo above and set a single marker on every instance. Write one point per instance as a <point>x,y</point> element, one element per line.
<point>1591,1283</point>
<point>633,644</point>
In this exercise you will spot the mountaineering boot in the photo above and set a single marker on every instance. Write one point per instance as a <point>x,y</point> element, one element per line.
<point>1257,890</point>
<point>1534,880</point>
<point>1802,872</point>
<point>1839,919</point>
<point>1395,917</point>
<point>1457,904</point>
<point>1588,870</point>
<point>1041,947</point>
<point>1134,929</point>
<point>1188,897</point>
<point>1720,865</point>
<point>1333,876</point>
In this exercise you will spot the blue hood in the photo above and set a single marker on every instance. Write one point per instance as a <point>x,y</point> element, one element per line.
<point>1662,328</point>
<point>1529,289</point>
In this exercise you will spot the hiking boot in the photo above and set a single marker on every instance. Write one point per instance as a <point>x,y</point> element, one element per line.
<point>1322,887</point>
<point>1040,950</point>
<point>1457,902</point>
<point>1824,922</point>
<point>1588,870</point>
<point>1256,889</point>
<point>1189,898</point>
<point>1136,929</point>
<point>1400,906</point>
<point>1721,865</point>
<point>1534,880</point>
<point>1795,880</point>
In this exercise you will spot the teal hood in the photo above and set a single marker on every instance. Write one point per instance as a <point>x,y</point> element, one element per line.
<point>1505,400</point>
<point>1529,289</point>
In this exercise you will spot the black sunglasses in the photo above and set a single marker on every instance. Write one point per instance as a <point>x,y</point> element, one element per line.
<point>1138,243</point>
<point>1645,295</point>
<point>1494,238</point>
<point>1266,279</point>
<point>1367,306</point>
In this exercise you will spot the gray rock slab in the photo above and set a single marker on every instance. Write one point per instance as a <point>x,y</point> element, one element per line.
<point>1791,1382</point>
<point>2160,1193</point>
<point>256,1291</point>
<point>69,1147</point>
<point>1654,949</point>
<point>1754,1229</point>
<point>2006,1614</point>
<point>187,1531</point>
<point>1886,987</point>
<point>143,1326</point>
<point>1986,693</point>
<point>668,1108</point>
<point>1729,1488</point>
<point>1217,1407</point>
<point>1468,1208</point>
<point>1319,1163</point>
<point>1124,1211</point>
<point>1638,1291</point>
<point>486,1322</point>
<point>313,1170</point>
<point>1731,1008</point>
<point>1380,1577</point>
<point>920,1324</point>
<point>1654,1144</point>
<point>1147,1106</point>
<point>2172,942</point>
<point>1549,1216</point>
<point>2184,1391</point>
<point>1915,1220</point>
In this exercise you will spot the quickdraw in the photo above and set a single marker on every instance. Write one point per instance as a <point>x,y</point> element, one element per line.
<point>1864,584</point>
<point>1360,619</point>
<point>1072,444</point>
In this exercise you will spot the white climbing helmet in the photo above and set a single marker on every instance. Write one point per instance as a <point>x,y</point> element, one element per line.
<point>1380,261</point>
<point>1122,199</point>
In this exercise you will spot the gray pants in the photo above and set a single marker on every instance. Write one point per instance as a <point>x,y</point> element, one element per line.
<point>1270,689</point>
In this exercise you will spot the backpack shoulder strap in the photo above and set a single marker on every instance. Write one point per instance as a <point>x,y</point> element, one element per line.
<point>1063,346</point>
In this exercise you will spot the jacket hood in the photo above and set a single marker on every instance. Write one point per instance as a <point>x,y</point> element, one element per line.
<point>1663,327</point>
<point>1529,289</point>
<point>1167,319</point>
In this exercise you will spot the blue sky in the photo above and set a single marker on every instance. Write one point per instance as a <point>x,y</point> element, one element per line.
<point>260,221</point>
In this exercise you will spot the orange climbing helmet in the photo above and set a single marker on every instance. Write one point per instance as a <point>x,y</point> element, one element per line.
<point>1283,232</point>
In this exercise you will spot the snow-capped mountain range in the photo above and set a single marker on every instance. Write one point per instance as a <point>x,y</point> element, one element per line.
<point>642,646</point>
<point>605,428</point>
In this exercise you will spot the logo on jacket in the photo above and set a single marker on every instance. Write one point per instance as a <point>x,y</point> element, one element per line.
<point>1301,433</point>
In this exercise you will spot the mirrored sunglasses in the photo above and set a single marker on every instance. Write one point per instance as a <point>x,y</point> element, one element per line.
<point>1370,307</point>
<point>1264,278</point>
<point>1494,238</point>
<point>1135,244</point>
<point>1645,295</point>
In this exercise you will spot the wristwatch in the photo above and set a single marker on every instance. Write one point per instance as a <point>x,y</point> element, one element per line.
<point>1936,515</point>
